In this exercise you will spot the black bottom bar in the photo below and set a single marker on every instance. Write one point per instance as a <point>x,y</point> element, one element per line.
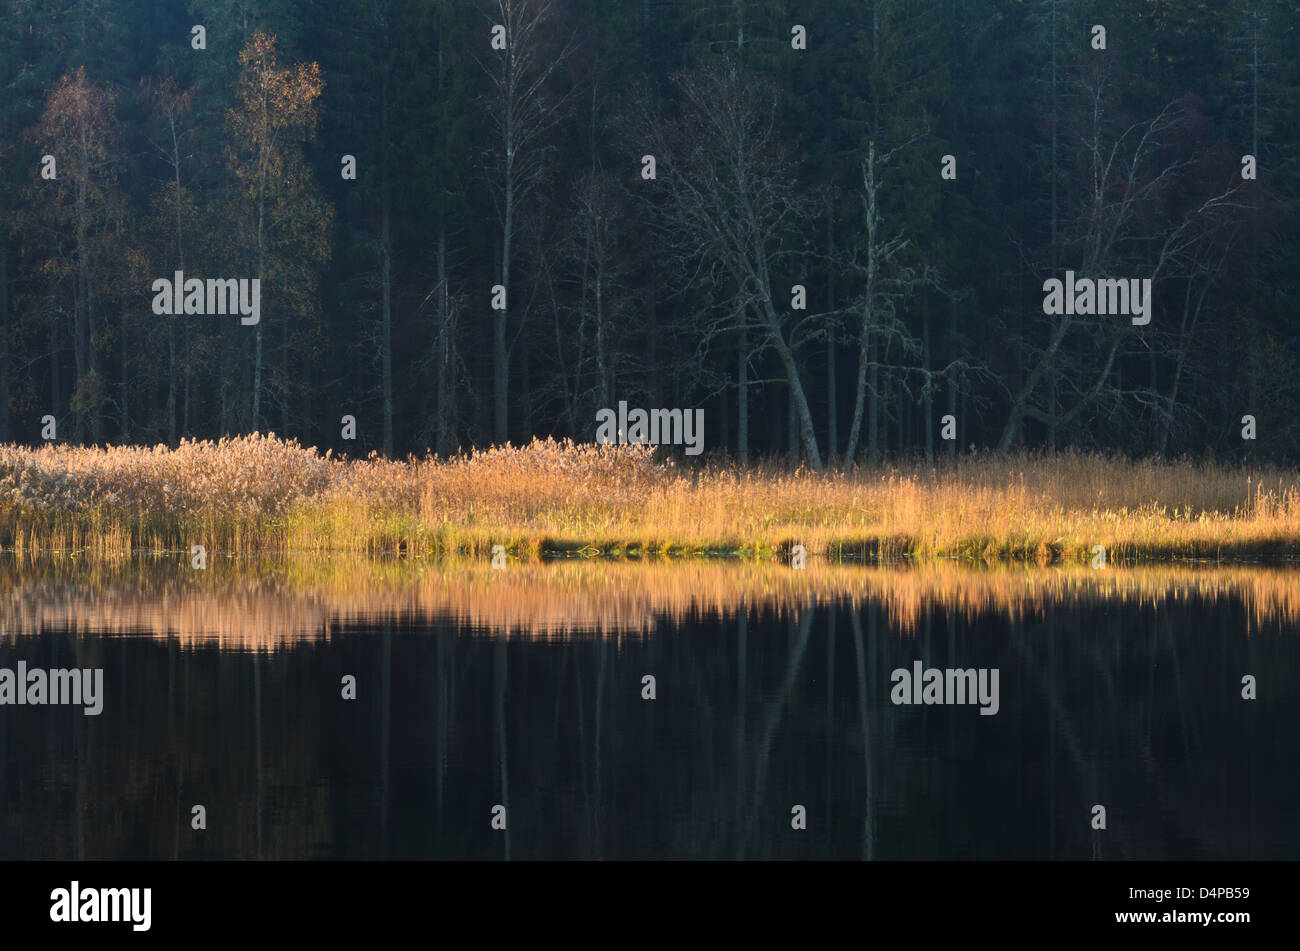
<point>335,900</point>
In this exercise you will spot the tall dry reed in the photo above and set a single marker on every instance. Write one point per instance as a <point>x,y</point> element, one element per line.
<point>260,493</point>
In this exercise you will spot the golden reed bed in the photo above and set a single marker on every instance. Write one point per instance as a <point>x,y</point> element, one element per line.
<point>260,494</point>
<point>246,605</point>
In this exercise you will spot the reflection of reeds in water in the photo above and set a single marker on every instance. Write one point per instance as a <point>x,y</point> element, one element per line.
<point>267,605</point>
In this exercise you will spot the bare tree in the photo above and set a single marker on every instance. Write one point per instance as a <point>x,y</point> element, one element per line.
<point>598,273</point>
<point>1119,226</point>
<point>521,111</point>
<point>731,211</point>
<point>1193,259</point>
<point>886,278</point>
<point>169,105</point>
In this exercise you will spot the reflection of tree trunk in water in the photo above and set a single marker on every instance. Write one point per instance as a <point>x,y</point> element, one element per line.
<point>830,712</point>
<point>185,737</point>
<point>257,715</point>
<point>1168,629</point>
<point>1060,720</point>
<point>1188,825</point>
<point>4,738</point>
<point>583,773</point>
<point>1253,746</point>
<point>869,820</point>
<point>925,618</point>
<point>598,816</point>
<point>440,739</point>
<point>499,676</point>
<point>386,697</point>
<point>1171,801</point>
<point>742,639</point>
<point>952,707</point>
<point>1051,735</point>
<point>172,647</point>
<point>742,394</point>
<point>1151,689</point>
<point>566,652</point>
<point>79,755</point>
<point>774,718</point>
<point>4,750</point>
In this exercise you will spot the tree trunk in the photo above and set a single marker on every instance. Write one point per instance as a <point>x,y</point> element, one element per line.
<point>796,387</point>
<point>261,268</point>
<point>55,383</point>
<point>92,328</point>
<point>952,410</point>
<point>652,340</point>
<point>500,368</point>
<point>189,382</point>
<point>180,264</point>
<point>602,358</point>
<point>1189,327</point>
<point>873,407</point>
<point>125,384</point>
<point>1051,382</point>
<point>792,430</point>
<point>171,380</point>
<point>866,342</point>
<point>832,407</point>
<point>4,341</point>
<point>386,283</point>
<point>286,394</point>
<point>257,338</point>
<point>80,332</point>
<point>859,390</point>
<point>742,396</point>
<point>1017,413</point>
<point>445,423</point>
<point>928,397</point>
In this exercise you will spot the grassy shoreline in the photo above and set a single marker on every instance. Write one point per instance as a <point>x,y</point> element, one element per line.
<point>262,494</point>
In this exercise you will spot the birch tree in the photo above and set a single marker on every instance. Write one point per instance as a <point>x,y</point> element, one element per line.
<point>282,222</point>
<point>885,279</point>
<point>522,109</point>
<point>175,209</point>
<point>1116,226</point>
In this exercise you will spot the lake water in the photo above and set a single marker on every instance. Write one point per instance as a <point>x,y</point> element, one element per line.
<point>524,688</point>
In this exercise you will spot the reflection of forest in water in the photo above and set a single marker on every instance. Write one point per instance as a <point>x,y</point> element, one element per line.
<point>1119,687</point>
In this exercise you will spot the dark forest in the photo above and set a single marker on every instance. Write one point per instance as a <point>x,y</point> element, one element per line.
<point>826,223</point>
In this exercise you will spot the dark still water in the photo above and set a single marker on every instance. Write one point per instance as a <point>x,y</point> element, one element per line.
<point>525,688</point>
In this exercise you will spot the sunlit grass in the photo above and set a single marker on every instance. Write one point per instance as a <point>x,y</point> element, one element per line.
<point>262,494</point>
